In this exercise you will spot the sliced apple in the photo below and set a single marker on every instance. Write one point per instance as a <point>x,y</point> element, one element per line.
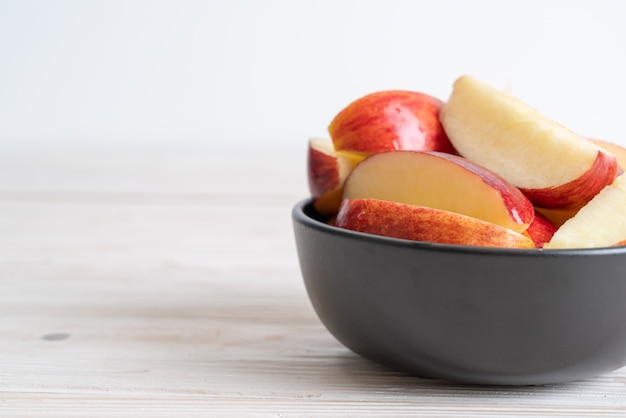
<point>617,150</point>
<point>390,120</point>
<point>441,181</point>
<point>578,192</point>
<point>540,230</point>
<point>600,223</point>
<point>327,170</point>
<point>555,215</point>
<point>552,165</point>
<point>420,223</point>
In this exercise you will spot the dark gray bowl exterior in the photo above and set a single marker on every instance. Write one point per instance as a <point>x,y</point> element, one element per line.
<point>473,315</point>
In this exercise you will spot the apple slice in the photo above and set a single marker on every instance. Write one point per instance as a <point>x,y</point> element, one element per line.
<point>553,166</point>
<point>441,181</point>
<point>600,223</point>
<point>390,120</point>
<point>555,215</point>
<point>617,150</point>
<point>421,223</point>
<point>540,230</point>
<point>327,171</point>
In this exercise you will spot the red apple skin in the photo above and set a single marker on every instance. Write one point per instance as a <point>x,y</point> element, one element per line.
<point>540,230</point>
<point>390,120</point>
<point>617,150</point>
<point>325,183</point>
<point>421,223</point>
<point>326,173</point>
<point>578,192</point>
<point>323,172</point>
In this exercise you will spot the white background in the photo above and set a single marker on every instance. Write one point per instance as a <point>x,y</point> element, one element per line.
<point>269,74</point>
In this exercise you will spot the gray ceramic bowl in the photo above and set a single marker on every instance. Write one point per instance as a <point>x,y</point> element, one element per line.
<point>468,314</point>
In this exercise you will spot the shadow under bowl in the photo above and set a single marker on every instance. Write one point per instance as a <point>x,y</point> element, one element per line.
<point>467,314</point>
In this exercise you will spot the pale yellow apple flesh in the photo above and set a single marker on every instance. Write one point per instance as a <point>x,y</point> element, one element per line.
<point>327,171</point>
<point>556,216</point>
<point>531,151</point>
<point>420,223</point>
<point>600,223</point>
<point>440,181</point>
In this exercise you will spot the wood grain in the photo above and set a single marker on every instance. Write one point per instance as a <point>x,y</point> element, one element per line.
<point>168,285</point>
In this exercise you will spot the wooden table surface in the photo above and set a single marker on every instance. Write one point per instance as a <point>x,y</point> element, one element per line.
<point>167,284</point>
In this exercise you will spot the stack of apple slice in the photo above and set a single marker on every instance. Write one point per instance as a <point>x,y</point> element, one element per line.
<point>481,169</point>
<point>436,197</point>
<point>384,121</point>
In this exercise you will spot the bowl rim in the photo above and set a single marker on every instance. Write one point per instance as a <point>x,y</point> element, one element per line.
<point>303,212</point>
